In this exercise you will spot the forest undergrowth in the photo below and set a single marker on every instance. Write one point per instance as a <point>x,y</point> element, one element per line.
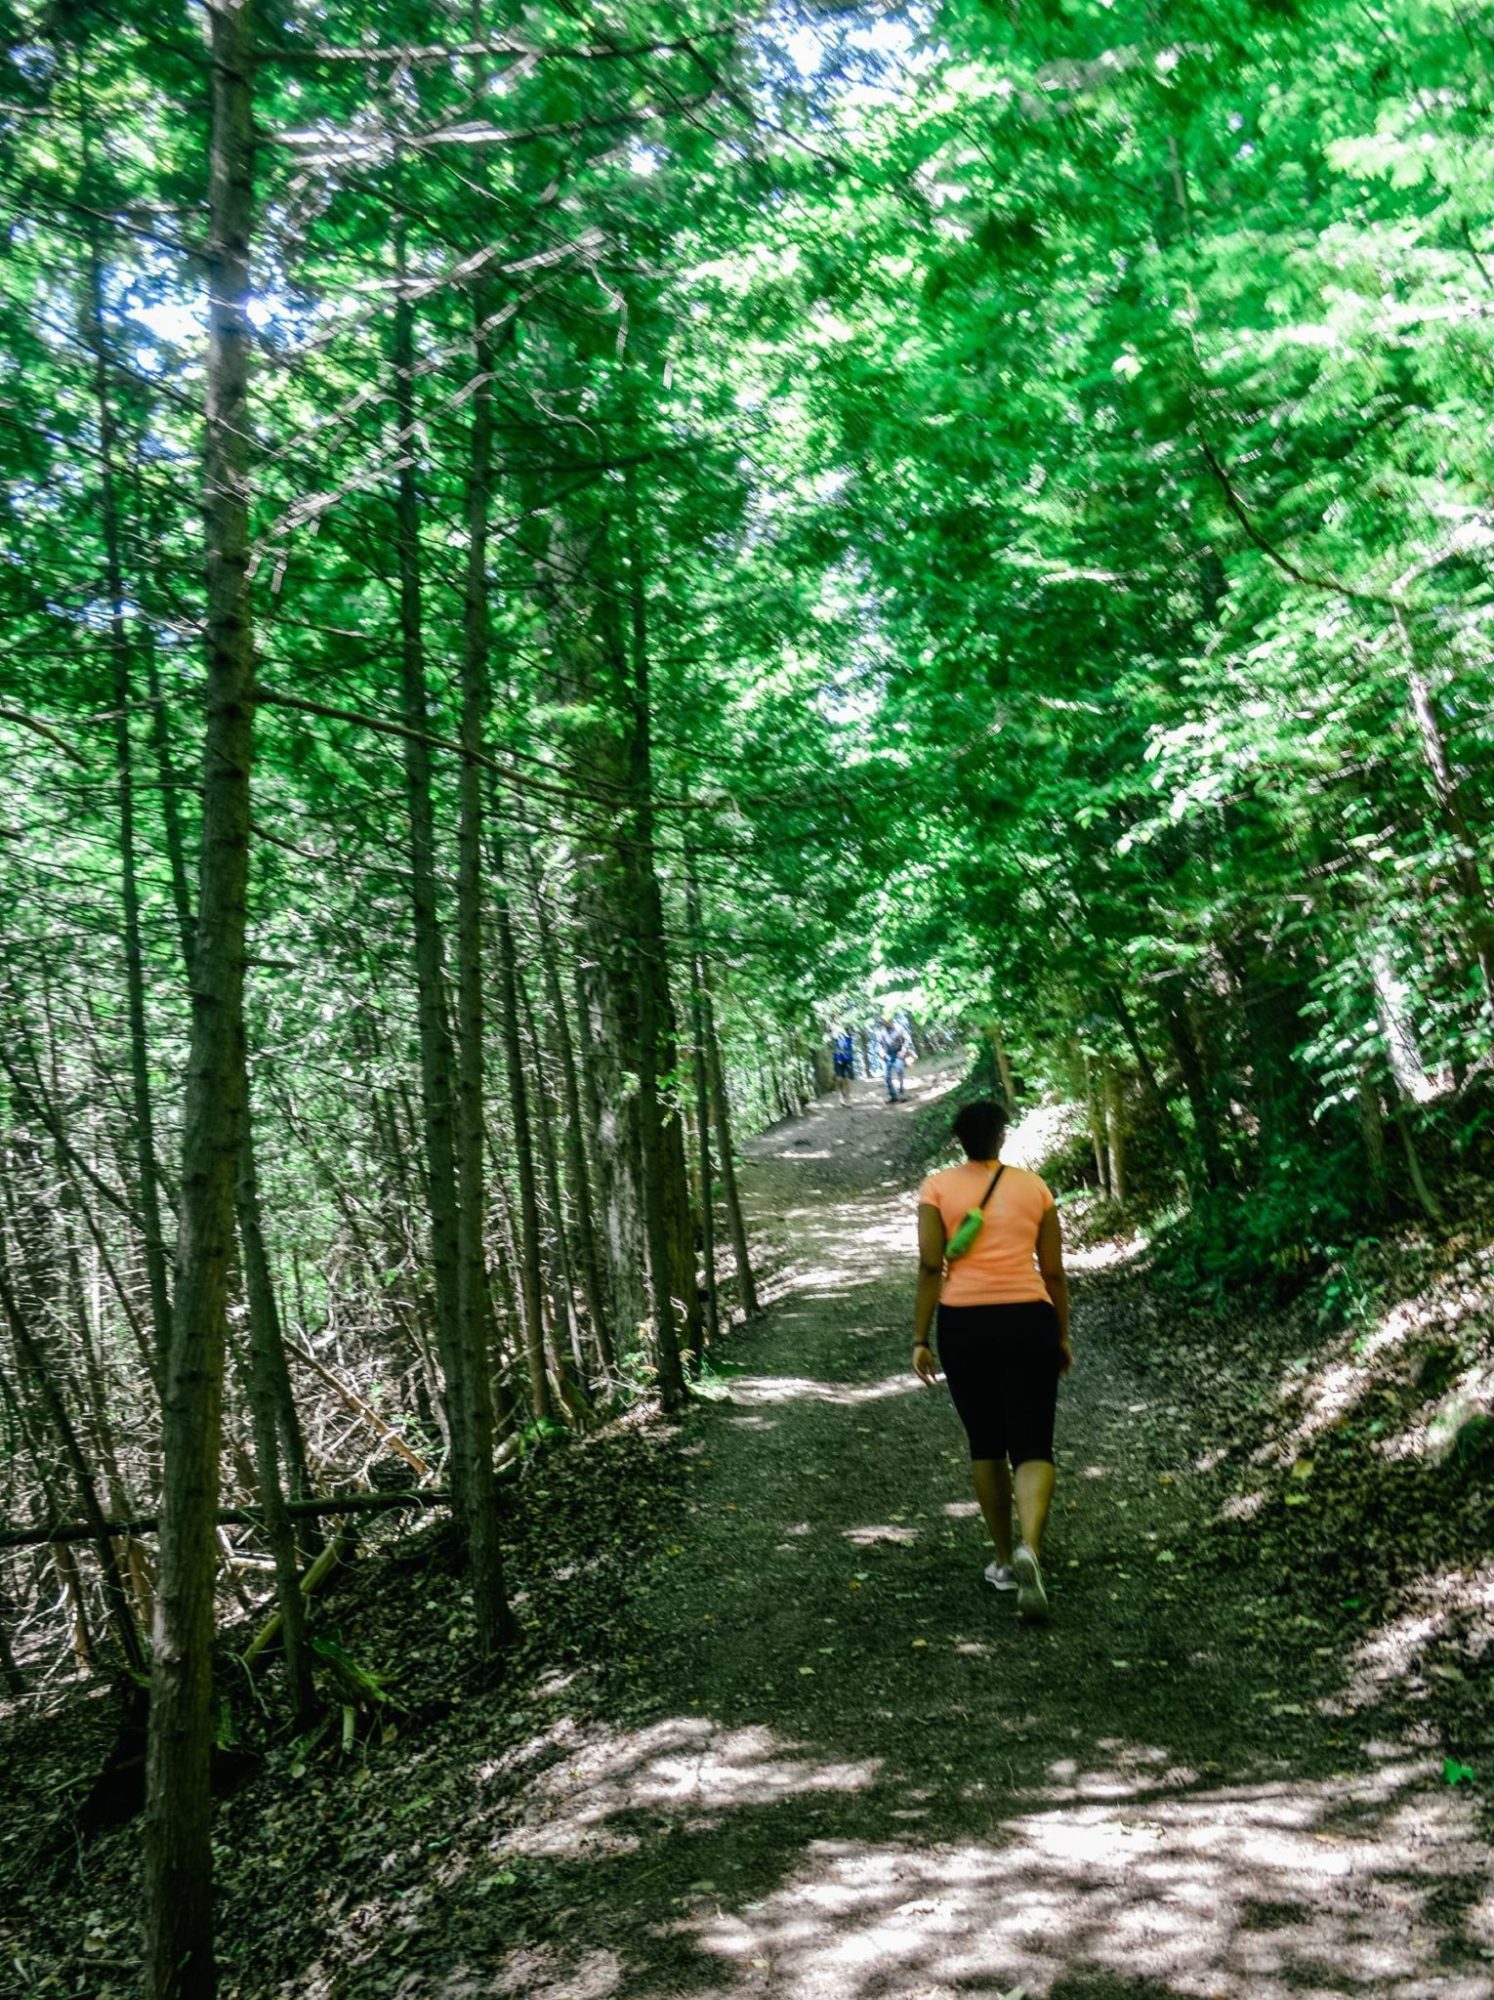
<point>766,1731</point>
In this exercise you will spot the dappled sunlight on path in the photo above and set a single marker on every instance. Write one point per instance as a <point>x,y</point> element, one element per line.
<point>687,1766</point>
<point>798,1388</point>
<point>1127,1877</point>
<point>862,1780</point>
<point>1267,1891</point>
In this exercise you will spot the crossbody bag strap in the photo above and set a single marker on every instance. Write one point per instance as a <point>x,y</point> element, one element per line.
<point>992,1188</point>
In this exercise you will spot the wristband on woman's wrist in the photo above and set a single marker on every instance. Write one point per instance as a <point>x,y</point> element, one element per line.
<point>924,1343</point>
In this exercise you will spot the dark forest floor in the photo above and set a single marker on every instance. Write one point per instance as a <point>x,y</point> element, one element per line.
<point>771,1734</point>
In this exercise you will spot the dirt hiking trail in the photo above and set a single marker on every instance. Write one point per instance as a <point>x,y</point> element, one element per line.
<point>770,1736</point>
<point>861,1777</point>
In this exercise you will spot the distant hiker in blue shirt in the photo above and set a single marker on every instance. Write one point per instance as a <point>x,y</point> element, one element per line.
<point>894,1046</point>
<point>843,1049</point>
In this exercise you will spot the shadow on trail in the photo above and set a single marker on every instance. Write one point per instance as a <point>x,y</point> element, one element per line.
<point>708,1861</point>
<point>704,1860</point>
<point>697,1857</point>
<point>856,1778</point>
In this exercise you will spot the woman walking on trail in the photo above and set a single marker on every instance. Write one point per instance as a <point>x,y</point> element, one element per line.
<point>990,1257</point>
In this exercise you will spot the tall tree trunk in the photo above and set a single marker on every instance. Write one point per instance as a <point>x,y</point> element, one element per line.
<point>1084,1084</point>
<point>721,1104</point>
<point>701,1066</point>
<point>567,1360</point>
<point>123,695</point>
<point>438,1111</point>
<point>1372,1134</point>
<point>266,1354</point>
<point>664,1192</point>
<point>531,1281</point>
<point>1003,1066</point>
<point>1195,1085</point>
<point>494,1620</point>
<point>169,782</point>
<point>507,1312</point>
<point>178,1847</point>
<point>603,1005</point>
<point>578,1176</point>
<point>270,1355</point>
<point>587,619</point>
<point>65,1564</point>
<point>1115,1133</point>
<point>680,1215</point>
<point>271,1373</point>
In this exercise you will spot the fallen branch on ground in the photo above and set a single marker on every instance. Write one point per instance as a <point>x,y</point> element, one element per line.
<point>245,1517</point>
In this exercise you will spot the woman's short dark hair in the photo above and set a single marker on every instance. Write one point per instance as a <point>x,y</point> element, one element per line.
<point>980,1128</point>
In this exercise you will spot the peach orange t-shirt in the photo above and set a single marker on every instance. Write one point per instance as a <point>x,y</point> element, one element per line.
<point>1000,1267</point>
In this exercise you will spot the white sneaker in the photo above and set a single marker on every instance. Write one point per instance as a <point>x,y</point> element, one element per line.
<point>1000,1577</point>
<point>1032,1599</point>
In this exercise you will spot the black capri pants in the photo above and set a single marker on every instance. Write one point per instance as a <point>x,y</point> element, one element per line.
<point>1001,1364</point>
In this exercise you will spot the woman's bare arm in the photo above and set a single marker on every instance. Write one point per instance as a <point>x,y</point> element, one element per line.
<point>1050,1263</point>
<point>930,1276</point>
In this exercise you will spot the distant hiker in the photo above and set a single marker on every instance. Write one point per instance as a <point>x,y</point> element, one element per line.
<point>894,1046</point>
<point>990,1256</point>
<point>843,1051</point>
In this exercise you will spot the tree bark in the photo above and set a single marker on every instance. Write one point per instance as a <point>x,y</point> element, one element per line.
<point>169,781</point>
<point>1115,1133</point>
<point>1003,1066</point>
<point>1196,1087</point>
<point>123,693</point>
<point>736,1221</point>
<point>531,1278</point>
<point>494,1620</point>
<point>585,605</point>
<point>270,1355</point>
<point>664,1192</point>
<point>1372,1134</point>
<point>1085,1085</point>
<point>603,1003</point>
<point>578,1177</point>
<point>266,1354</point>
<point>703,1113</point>
<point>566,1359</point>
<point>436,1065</point>
<point>178,1849</point>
